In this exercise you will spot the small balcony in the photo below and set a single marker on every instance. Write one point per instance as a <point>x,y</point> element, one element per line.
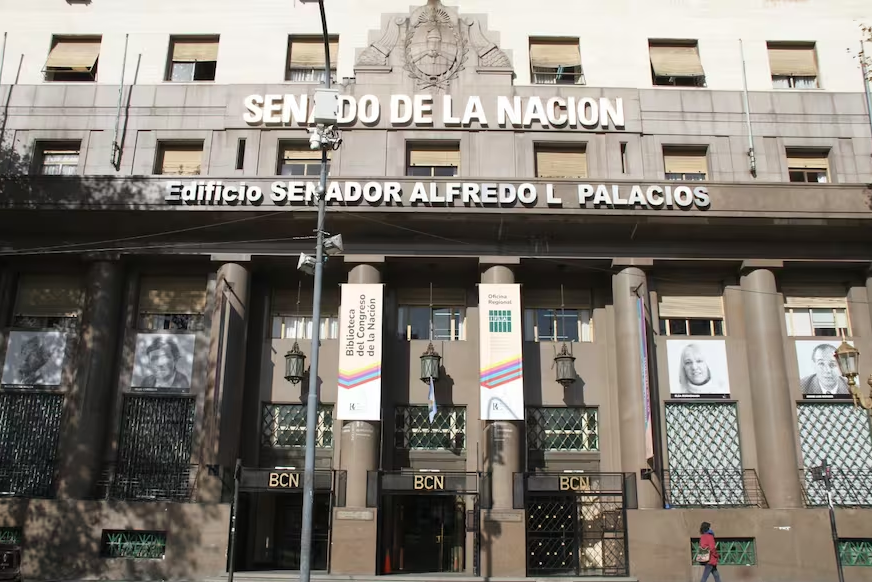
<point>148,483</point>
<point>713,488</point>
<point>850,488</point>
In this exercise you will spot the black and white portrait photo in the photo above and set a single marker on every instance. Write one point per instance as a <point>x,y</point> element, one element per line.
<point>819,375</point>
<point>34,358</point>
<point>164,362</point>
<point>698,368</point>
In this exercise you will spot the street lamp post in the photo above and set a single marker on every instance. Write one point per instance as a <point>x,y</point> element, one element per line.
<point>312,397</point>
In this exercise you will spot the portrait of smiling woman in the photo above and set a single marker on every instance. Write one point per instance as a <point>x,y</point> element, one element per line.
<point>698,369</point>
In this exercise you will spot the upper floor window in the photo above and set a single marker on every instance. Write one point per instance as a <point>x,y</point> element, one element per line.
<point>561,161</point>
<point>179,158</point>
<point>298,159</point>
<point>46,302</point>
<point>292,314</point>
<point>57,158</point>
<point>676,63</point>
<point>816,312</point>
<point>555,61</point>
<point>433,160</point>
<point>793,65</point>
<point>192,59</point>
<point>684,163</point>
<point>546,321</point>
<point>413,429</point>
<point>808,166</point>
<point>306,59</point>
<point>172,303</point>
<point>438,314</point>
<point>73,58</point>
<point>694,309</point>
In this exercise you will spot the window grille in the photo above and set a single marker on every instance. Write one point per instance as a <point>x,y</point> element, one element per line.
<point>562,429</point>
<point>414,431</point>
<point>154,450</point>
<point>30,426</point>
<point>11,535</point>
<point>840,433</point>
<point>135,545</point>
<point>731,551</point>
<point>856,552</point>
<point>705,460</point>
<point>284,426</point>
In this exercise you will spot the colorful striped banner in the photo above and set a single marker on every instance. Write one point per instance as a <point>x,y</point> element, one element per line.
<point>357,377</point>
<point>502,373</point>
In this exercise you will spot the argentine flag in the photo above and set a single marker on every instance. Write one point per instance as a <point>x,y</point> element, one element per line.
<point>431,400</point>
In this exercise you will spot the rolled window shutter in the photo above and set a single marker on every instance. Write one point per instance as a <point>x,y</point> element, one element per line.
<point>554,54</point>
<point>77,55</point>
<point>442,297</point>
<point>301,153</point>
<point>796,61</point>
<point>815,297</point>
<point>49,295</point>
<point>676,61</point>
<point>309,54</point>
<point>284,302</point>
<point>172,295</point>
<point>561,164</point>
<point>691,301</point>
<point>182,161</point>
<point>197,51</point>
<point>809,162</point>
<point>434,157</point>
<point>685,164</point>
<point>550,298</point>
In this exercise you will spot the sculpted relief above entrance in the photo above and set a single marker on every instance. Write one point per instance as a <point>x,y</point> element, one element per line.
<point>434,44</point>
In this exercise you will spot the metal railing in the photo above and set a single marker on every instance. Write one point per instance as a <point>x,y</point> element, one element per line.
<point>148,483</point>
<point>850,488</point>
<point>713,488</point>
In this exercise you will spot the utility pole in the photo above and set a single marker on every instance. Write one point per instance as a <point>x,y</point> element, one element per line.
<point>824,473</point>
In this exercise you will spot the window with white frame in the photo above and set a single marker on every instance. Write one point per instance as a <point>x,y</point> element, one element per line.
<point>58,158</point>
<point>301,326</point>
<point>808,165</point>
<point>292,314</point>
<point>443,323</point>
<point>553,324</point>
<point>692,310</point>
<point>820,315</point>
<point>306,59</point>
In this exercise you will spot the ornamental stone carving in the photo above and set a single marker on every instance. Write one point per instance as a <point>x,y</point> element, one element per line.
<point>433,45</point>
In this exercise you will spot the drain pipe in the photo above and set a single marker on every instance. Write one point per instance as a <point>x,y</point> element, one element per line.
<point>116,149</point>
<point>751,154</point>
<point>866,80</point>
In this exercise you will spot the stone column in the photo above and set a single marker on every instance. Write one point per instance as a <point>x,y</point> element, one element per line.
<point>355,526</point>
<point>770,390</point>
<point>627,286</point>
<point>226,376</point>
<point>91,394</point>
<point>503,527</point>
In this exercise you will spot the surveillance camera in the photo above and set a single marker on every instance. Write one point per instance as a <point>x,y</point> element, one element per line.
<point>306,264</point>
<point>315,140</point>
<point>319,189</point>
<point>333,245</point>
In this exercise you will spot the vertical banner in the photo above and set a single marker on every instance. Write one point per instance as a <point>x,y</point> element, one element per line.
<point>502,377</point>
<point>360,352</point>
<point>646,381</point>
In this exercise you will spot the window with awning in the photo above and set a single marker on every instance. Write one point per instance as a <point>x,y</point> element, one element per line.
<point>73,59</point>
<point>808,165</point>
<point>306,59</point>
<point>172,303</point>
<point>556,61</point>
<point>685,163</point>
<point>693,308</point>
<point>298,159</point>
<point>816,310</point>
<point>433,160</point>
<point>793,65</point>
<point>676,63</point>
<point>561,161</point>
<point>193,59</point>
<point>180,159</point>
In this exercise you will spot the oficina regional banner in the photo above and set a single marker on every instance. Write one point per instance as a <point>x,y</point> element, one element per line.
<point>502,374</point>
<point>360,356</point>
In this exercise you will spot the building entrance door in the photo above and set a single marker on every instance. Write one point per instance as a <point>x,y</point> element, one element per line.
<point>424,534</point>
<point>289,519</point>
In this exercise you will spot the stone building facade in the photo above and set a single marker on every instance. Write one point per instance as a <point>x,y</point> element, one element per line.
<point>696,241</point>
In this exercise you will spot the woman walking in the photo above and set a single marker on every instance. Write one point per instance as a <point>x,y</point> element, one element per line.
<point>708,552</point>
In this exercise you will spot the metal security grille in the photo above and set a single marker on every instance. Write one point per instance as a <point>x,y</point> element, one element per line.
<point>10,535</point>
<point>705,460</point>
<point>856,552</point>
<point>840,433</point>
<point>562,429</point>
<point>148,545</point>
<point>30,425</point>
<point>283,426</point>
<point>731,551</point>
<point>154,451</point>
<point>414,431</point>
<point>575,535</point>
